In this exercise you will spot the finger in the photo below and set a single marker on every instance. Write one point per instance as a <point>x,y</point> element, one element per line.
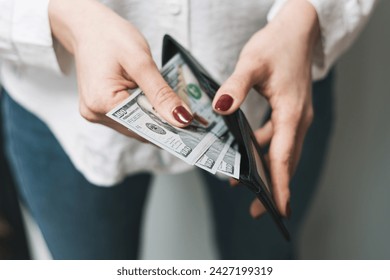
<point>94,110</point>
<point>160,95</point>
<point>233,182</point>
<point>281,154</point>
<point>302,131</point>
<point>232,93</point>
<point>298,148</point>
<point>123,130</point>
<point>257,209</point>
<point>131,85</point>
<point>264,134</point>
<point>115,99</point>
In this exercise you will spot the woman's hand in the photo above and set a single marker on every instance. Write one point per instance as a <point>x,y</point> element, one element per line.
<point>277,62</point>
<point>111,57</point>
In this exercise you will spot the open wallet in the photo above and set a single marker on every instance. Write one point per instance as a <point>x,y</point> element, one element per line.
<point>253,171</point>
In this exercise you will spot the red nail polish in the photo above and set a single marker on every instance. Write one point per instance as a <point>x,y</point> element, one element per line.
<point>224,103</point>
<point>182,115</point>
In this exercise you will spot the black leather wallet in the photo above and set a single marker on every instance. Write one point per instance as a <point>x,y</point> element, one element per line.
<point>253,172</point>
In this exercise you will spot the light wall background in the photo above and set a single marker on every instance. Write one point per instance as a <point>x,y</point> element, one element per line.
<point>349,218</point>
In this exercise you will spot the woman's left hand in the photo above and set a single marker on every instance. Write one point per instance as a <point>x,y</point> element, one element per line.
<point>277,62</point>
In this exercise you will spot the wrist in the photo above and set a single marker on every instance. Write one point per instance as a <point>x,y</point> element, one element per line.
<point>68,18</point>
<point>298,20</point>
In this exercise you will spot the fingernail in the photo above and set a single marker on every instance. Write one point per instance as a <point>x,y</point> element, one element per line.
<point>182,115</point>
<point>288,210</point>
<point>224,103</point>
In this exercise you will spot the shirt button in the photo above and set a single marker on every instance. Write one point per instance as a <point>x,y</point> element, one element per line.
<point>174,8</point>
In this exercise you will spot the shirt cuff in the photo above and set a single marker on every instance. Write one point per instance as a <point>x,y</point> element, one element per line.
<point>340,24</point>
<point>31,34</point>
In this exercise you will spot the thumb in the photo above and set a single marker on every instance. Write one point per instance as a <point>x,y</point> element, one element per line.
<point>232,93</point>
<point>161,96</point>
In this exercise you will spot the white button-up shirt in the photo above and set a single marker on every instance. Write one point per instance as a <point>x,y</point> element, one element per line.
<point>213,30</point>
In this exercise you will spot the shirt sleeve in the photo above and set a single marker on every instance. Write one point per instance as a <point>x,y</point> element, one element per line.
<point>25,34</point>
<point>341,22</point>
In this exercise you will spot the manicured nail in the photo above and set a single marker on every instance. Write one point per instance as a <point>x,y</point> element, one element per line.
<point>288,210</point>
<point>182,115</point>
<point>224,103</point>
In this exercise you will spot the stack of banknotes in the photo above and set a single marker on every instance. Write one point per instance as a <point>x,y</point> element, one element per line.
<point>206,142</point>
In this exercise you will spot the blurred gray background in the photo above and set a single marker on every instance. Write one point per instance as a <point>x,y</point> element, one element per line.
<point>350,213</point>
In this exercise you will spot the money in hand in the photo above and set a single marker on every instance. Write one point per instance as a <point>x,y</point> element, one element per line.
<point>205,143</point>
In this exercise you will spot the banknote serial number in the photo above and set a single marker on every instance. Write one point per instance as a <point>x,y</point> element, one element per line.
<point>233,270</point>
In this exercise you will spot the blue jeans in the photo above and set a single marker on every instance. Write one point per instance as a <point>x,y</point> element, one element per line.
<point>82,221</point>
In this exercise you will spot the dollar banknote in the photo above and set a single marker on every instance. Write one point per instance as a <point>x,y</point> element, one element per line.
<point>214,155</point>
<point>230,164</point>
<point>184,83</point>
<point>205,143</point>
<point>138,115</point>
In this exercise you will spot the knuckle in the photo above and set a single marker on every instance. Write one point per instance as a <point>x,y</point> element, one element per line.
<point>238,84</point>
<point>94,108</point>
<point>256,64</point>
<point>145,62</point>
<point>282,163</point>
<point>88,114</point>
<point>281,160</point>
<point>90,110</point>
<point>163,95</point>
<point>289,116</point>
<point>295,115</point>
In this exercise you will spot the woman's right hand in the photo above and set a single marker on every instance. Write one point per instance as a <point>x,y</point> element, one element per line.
<point>111,57</point>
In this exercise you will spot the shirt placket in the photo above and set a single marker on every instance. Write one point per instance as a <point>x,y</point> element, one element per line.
<point>178,13</point>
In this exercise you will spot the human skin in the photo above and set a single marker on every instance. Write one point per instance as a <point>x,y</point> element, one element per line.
<point>276,61</point>
<point>111,57</point>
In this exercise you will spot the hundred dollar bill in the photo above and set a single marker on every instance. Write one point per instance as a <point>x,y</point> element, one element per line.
<point>184,83</point>
<point>138,115</point>
<point>214,155</point>
<point>204,142</point>
<point>230,164</point>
